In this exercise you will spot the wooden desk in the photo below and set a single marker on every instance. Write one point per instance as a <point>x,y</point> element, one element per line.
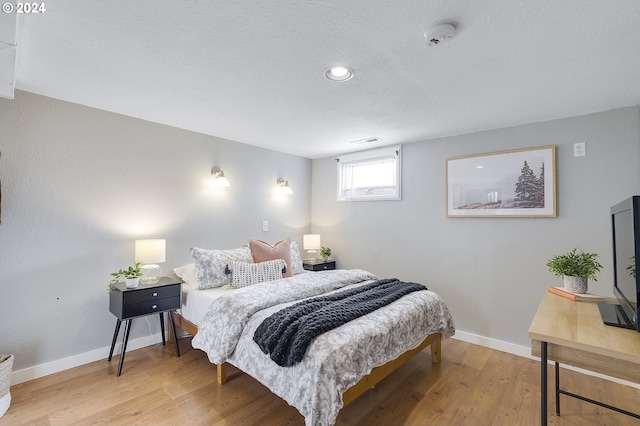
<point>573,333</point>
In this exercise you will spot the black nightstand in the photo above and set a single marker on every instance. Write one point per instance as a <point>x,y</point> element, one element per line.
<point>146,299</point>
<point>319,265</point>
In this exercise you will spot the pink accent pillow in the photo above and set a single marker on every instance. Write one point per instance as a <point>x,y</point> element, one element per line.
<point>262,252</point>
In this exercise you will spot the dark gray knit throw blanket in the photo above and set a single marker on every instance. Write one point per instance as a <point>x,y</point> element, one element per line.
<point>287,334</point>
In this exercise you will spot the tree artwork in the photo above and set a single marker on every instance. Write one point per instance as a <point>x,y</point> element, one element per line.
<point>506,184</point>
<point>530,188</point>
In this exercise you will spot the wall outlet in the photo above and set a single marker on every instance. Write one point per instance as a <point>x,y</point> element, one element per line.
<point>265,225</point>
<point>580,149</point>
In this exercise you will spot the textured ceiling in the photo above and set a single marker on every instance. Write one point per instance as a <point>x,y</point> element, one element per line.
<point>253,70</point>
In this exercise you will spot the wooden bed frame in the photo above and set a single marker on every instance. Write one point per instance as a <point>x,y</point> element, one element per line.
<point>367,382</point>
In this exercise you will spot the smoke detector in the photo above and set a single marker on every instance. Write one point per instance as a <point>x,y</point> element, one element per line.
<point>437,34</point>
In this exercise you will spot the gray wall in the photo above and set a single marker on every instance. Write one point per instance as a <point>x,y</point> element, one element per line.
<point>79,185</point>
<point>490,271</point>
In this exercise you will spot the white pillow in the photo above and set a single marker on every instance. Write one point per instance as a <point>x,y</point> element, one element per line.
<point>210,265</point>
<point>188,274</point>
<point>296,259</point>
<point>245,274</point>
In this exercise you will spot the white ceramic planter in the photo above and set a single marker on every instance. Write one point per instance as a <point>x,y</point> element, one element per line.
<point>132,282</point>
<point>575,284</point>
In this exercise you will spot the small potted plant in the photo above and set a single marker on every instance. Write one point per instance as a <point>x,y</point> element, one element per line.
<point>325,252</point>
<point>576,267</point>
<point>131,276</point>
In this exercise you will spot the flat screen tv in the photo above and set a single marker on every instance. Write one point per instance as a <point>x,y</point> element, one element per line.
<point>625,225</point>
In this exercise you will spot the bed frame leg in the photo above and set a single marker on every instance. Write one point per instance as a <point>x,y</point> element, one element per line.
<point>436,347</point>
<point>222,373</point>
<point>192,329</point>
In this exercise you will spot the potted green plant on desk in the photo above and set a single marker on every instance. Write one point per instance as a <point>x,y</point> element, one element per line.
<point>131,276</point>
<point>576,267</point>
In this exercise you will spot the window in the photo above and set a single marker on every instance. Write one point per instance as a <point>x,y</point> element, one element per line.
<point>370,175</point>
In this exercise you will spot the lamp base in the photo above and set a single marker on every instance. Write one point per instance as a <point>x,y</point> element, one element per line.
<point>150,273</point>
<point>311,256</point>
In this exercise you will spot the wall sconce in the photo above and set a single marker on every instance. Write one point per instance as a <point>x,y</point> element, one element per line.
<point>311,243</point>
<point>148,253</point>
<point>283,187</point>
<point>219,178</point>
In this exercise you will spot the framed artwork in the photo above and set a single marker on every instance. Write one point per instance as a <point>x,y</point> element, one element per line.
<point>518,183</point>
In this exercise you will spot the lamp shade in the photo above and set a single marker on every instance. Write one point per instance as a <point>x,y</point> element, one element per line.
<point>150,251</point>
<point>311,241</point>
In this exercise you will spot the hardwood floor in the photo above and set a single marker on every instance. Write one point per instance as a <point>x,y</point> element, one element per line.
<point>472,386</point>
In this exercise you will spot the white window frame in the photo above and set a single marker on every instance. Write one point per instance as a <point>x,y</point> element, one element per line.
<point>347,161</point>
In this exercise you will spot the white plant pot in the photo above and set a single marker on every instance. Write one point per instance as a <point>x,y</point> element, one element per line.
<point>575,284</point>
<point>132,282</point>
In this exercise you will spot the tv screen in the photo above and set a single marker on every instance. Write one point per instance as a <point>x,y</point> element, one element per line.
<point>625,223</point>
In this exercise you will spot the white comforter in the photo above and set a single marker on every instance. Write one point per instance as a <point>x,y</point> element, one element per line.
<point>335,360</point>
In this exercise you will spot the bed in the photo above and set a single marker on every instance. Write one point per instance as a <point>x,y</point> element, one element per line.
<point>340,364</point>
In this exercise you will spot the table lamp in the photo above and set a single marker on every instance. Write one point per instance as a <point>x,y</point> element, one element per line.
<point>311,243</point>
<point>149,253</point>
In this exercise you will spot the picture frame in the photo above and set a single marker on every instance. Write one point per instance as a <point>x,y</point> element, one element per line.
<point>515,183</point>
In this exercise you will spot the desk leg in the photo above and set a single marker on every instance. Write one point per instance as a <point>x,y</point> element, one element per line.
<point>115,337</point>
<point>162,327</point>
<point>557,389</point>
<point>175,337</point>
<point>543,383</point>
<point>584,398</point>
<point>125,339</point>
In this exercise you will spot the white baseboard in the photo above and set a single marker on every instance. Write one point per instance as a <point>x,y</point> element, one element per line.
<point>498,345</point>
<point>525,352</point>
<point>102,353</point>
<point>52,367</point>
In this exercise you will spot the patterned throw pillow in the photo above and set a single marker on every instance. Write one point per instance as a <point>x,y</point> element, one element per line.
<point>296,258</point>
<point>261,252</point>
<point>211,264</point>
<point>245,274</point>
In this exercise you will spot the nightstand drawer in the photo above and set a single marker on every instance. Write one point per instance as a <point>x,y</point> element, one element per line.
<point>319,266</point>
<point>151,294</point>
<point>146,299</point>
<point>150,307</point>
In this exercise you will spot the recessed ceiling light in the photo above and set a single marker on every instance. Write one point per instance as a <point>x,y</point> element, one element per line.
<point>339,73</point>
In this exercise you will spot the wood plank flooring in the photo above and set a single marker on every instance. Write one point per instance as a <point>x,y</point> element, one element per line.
<point>472,386</point>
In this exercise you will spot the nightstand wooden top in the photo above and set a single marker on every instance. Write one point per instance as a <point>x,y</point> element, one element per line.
<point>163,281</point>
